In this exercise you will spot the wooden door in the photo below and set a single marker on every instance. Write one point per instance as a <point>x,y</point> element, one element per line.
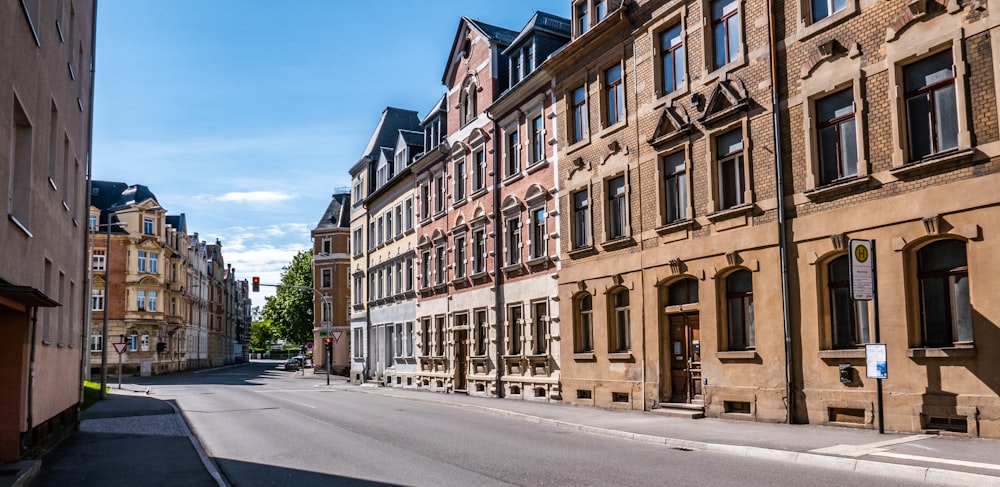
<point>681,356</point>
<point>461,361</point>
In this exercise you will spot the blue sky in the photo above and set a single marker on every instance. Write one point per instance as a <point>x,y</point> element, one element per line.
<point>246,114</point>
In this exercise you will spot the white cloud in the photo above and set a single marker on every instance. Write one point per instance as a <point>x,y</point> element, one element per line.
<point>253,197</point>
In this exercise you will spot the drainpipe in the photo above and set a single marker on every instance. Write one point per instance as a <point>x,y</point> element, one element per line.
<point>500,312</point>
<point>31,372</point>
<point>782,224</point>
<point>85,213</point>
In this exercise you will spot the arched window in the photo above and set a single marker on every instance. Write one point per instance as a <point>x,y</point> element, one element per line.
<point>618,322</point>
<point>739,310</point>
<point>945,307</point>
<point>583,324</point>
<point>684,291</point>
<point>848,318</point>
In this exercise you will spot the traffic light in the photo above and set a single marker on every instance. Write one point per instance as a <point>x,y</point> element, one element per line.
<point>328,341</point>
<point>256,284</point>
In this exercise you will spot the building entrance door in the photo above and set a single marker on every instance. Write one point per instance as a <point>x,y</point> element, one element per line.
<point>461,360</point>
<point>681,358</point>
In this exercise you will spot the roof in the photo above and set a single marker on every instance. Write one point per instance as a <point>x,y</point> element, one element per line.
<point>412,137</point>
<point>544,22</point>
<point>496,35</point>
<point>111,196</point>
<point>179,222</point>
<point>439,107</point>
<point>392,120</point>
<point>337,214</point>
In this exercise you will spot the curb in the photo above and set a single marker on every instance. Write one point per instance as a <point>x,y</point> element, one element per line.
<point>206,460</point>
<point>911,473</point>
<point>28,471</point>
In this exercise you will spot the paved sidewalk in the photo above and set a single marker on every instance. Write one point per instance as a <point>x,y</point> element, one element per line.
<point>930,459</point>
<point>129,439</point>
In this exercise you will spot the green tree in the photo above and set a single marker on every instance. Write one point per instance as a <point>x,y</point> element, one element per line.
<point>290,310</point>
<point>263,334</point>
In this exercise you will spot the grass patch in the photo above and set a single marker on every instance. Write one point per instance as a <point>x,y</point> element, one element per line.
<point>91,394</point>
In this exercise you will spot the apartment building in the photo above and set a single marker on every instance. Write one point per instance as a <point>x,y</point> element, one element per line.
<point>45,94</point>
<point>331,263</point>
<point>383,251</point>
<point>525,220</point>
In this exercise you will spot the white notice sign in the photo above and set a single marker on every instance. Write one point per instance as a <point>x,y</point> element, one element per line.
<point>862,272</point>
<point>875,361</point>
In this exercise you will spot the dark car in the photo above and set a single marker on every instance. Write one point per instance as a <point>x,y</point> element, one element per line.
<point>293,364</point>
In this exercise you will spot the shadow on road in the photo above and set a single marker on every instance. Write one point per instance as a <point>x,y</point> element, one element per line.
<point>247,374</point>
<point>243,473</point>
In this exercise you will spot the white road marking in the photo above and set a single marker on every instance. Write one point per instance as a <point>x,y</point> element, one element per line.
<point>289,400</point>
<point>868,448</point>
<point>963,463</point>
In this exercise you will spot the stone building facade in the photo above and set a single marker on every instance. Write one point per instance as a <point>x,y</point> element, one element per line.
<point>331,263</point>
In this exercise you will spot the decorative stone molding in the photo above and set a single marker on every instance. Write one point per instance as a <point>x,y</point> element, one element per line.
<point>840,241</point>
<point>933,224</point>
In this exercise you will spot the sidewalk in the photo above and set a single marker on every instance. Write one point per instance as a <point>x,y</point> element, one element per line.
<point>128,439</point>
<point>933,459</point>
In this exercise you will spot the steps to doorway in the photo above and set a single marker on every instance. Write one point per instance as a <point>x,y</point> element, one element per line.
<point>680,410</point>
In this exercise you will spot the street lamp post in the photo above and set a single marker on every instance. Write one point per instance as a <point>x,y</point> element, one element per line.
<point>104,326</point>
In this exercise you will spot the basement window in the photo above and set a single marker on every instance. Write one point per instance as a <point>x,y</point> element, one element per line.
<point>954,425</point>
<point>736,407</point>
<point>846,415</point>
<point>619,397</point>
<point>584,394</point>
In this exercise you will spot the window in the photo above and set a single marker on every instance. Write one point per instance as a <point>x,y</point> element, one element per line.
<point>513,149</point>
<point>96,342</point>
<point>153,259</point>
<point>515,325</point>
<point>460,180</point>
<point>618,322</point>
<point>388,225</point>
<point>512,241</point>
<point>614,91</point>
<point>327,278</point>
<point>579,114</point>
<point>600,10</point>
<point>133,342</point>
<point>460,256</point>
<point>822,9</point>
<point>144,344</point>
<point>482,332</point>
<point>152,301</point>
<point>357,289</point>
<point>478,170</point>
<point>380,235</point>
<point>931,106</point>
<point>725,32</point>
<point>92,223</point>
<point>582,18</point>
<point>674,187</point>
<point>371,234</point>
<point>425,268</point>
<point>848,318</point>
<point>581,219</point>
<point>97,300</point>
<point>439,268</point>
<point>408,338</point>
<point>425,197</point>
<point>838,142</point>
<point>326,311</point>
<point>357,241</point>
<point>399,276</point>
<point>537,139</point>
<point>409,214</point>
<point>739,310</point>
<point>729,153</point>
<point>19,200</point>
<point>98,260</point>
<point>358,337</point>
<point>681,292</point>
<point>538,247</point>
<point>378,284</point>
<point>141,261</point>
<point>617,208</point>
<point>468,102</point>
<point>439,193</point>
<point>439,336</point>
<point>540,318</point>
<point>327,246</point>
<point>945,305</point>
<point>399,220</point>
<point>147,226</point>
<point>671,59</point>
<point>425,336</point>
<point>409,273</point>
<point>479,251</point>
<point>583,324</point>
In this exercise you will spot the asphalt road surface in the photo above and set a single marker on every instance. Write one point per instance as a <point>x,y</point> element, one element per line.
<point>263,426</point>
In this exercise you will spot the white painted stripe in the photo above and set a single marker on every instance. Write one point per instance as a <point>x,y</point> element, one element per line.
<point>868,448</point>
<point>291,401</point>
<point>961,463</point>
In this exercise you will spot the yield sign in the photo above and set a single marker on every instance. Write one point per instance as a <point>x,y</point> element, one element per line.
<point>120,347</point>
<point>336,335</point>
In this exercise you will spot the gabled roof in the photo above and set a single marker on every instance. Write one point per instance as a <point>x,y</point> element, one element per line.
<point>439,107</point>
<point>393,119</point>
<point>412,137</point>
<point>179,222</point>
<point>111,196</point>
<point>544,22</point>
<point>496,35</point>
<point>337,214</point>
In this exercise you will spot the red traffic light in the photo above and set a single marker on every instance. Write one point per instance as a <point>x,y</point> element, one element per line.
<point>256,284</point>
<point>328,340</point>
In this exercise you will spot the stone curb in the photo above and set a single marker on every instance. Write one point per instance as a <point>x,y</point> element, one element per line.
<point>911,473</point>
<point>206,460</point>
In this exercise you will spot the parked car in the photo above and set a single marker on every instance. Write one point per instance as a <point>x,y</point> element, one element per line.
<point>293,364</point>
